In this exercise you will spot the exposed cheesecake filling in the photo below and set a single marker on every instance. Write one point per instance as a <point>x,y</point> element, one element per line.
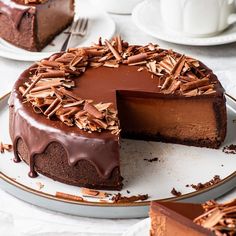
<point>190,119</point>
<point>54,13</point>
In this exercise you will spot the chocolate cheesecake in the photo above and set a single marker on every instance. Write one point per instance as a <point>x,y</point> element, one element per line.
<point>32,24</point>
<point>67,111</point>
<point>187,219</point>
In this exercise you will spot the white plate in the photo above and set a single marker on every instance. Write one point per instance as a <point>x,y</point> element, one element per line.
<point>100,24</point>
<point>142,228</point>
<point>178,165</point>
<point>146,16</point>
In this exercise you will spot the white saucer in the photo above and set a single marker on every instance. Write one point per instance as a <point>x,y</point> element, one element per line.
<point>142,228</point>
<point>100,24</point>
<point>146,16</point>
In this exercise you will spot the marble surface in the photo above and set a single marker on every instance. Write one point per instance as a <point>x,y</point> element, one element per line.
<point>21,219</point>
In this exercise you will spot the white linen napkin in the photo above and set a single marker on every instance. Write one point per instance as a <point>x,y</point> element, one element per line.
<point>18,218</point>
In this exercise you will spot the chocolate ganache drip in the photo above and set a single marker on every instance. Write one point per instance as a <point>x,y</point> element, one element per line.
<point>13,12</point>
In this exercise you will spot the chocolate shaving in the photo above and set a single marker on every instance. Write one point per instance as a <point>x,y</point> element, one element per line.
<point>86,192</point>
<point>118,198</point>
<point>92,110</point>
<point>216,179</point>
<point>175,192</point>
<point>136,58</point>
<point>114,52</point>
<point>68,196</point>
<point>5,147</point>
<point>220,218</point>
<point>195,84</point>
<point>231,149</point>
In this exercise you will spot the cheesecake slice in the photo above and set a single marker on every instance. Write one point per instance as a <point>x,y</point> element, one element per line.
<point>33,24</point>
<point>188,219</point>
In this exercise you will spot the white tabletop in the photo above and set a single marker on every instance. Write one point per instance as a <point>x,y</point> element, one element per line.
<point>22,219</point>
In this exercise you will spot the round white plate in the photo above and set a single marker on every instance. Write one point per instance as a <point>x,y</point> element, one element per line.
<point>177,166</point>
<point>142,228</point>
<point>100,25</point>
<point>146,16</point>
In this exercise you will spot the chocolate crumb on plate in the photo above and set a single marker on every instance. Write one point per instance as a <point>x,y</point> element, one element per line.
<point>118,198</point>
<point>151,160</point>
<point>68,196</point>
<point>216,179</point>
<point>86,192</point>
<point>231,149</point>
<point>5,147</point>
<point>175,192</point>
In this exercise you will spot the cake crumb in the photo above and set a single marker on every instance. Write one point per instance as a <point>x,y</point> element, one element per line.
<point>175,192</point>
<point>5,147</point>
<point>231,149</point>
<point>128,191</point>
<point>68,196</point>
<point>118,198</point>
<point>86,192</point>
<point>216,179</point>
<point>151,160</point>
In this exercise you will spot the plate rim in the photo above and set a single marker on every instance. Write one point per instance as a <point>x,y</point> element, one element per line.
<point>23,187</point>
<point>167,37</point>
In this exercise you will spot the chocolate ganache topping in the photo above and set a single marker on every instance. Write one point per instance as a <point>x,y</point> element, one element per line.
<point>70,98</point>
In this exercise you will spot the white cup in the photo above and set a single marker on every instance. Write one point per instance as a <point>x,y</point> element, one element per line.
<point>197,18</point>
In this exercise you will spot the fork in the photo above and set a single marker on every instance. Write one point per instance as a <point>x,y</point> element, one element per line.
<point>78,28</point>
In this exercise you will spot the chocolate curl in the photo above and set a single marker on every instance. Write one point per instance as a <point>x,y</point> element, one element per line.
<point>53,74</point>
<point>176,71</point>
<point>68,196</point>
<point>22,90</point>
<point>93,193</point>
<point>51,63</point>
<point>136,58</point>
<point>167,83</point>
<point>52,106</point>
<point>69,94</point>
<point>195,84</point>
<point>54,111</point>
<point>113,50</point>
<point>32,85</point>
<point>92,110</point>
<point>74,104</point>
<point>119,44</point>
<point>40,88</point>
<point>174,86</point>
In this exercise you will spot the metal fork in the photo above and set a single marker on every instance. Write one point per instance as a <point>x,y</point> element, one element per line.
<point>77,29</point>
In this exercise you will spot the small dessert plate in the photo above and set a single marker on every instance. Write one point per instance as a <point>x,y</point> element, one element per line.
<point>147,17</point>
<point>152,168</point>
<point>100,25</point>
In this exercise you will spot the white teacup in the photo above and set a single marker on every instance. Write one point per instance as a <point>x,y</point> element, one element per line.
<point>197,18</point>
